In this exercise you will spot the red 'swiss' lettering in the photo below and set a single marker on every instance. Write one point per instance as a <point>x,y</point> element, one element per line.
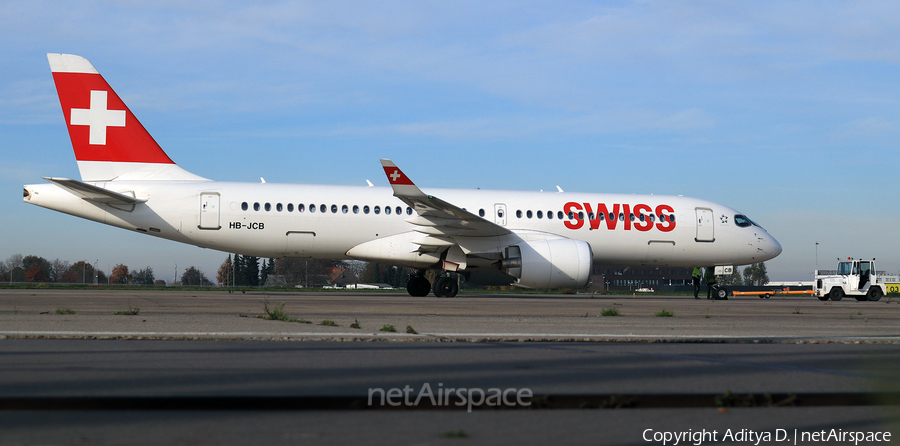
<point>571,207</point>
<point>670,221</point>
<point>602,214</point>
<point>641,216</point>
<point>643,222</point>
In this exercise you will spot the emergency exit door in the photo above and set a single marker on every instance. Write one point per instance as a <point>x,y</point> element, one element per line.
<point>705,228</point>
<point>500,214</point>
<point>209,211</point>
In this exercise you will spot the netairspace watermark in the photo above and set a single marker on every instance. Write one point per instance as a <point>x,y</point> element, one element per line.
<point>750,436</point>
<point>451,396</point>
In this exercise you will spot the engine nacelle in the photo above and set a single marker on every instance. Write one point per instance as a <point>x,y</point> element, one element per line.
<point>557,263</point>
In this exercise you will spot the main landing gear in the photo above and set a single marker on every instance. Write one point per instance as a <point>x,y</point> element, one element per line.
<point>445,285</point>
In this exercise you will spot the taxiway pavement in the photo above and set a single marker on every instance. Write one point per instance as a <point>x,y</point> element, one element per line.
<point>201,368</point>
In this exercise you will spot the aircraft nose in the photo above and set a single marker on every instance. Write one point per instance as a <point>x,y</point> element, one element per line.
<point>771,246</point>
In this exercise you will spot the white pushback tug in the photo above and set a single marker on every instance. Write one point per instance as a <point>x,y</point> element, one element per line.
<point>854,277</point>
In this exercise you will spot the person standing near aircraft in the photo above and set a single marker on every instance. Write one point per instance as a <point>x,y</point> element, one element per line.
<point>696,278</point>
<point>710,281</point>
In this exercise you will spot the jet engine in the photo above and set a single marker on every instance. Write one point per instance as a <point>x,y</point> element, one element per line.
<point>557,263</point>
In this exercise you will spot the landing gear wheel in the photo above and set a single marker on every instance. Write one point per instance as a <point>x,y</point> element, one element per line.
<point>836,294</point>
<point>418,286</point>
<point>721,294</point>
<point>874,294</point>
<point>446,287</point>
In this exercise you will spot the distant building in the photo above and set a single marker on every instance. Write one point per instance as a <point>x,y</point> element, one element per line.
<point>619,277</point>
<point>341,277</point>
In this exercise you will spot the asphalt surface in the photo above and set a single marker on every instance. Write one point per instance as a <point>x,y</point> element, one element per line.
<point>200,368</point>
<point>222,315</point>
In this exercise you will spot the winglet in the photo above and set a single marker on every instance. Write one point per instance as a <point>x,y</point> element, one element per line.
<point>402,185</point>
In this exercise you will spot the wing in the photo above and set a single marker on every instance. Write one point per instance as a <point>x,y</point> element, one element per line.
<point>443,218</point>
<point>438,221</point>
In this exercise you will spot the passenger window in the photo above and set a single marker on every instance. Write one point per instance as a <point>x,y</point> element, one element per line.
<point>652,218</point>
<point>387,210</point>
<point>528,214</point>
<point>581,215</point>
<point>481,212</point>
<point>268,207</point>
<point>334,209</point>
<point>278,207</point>
<point>559,215</point>
<point>672,218</point>
<point>244,206</point>
<point>621,217</point>
<point>571,215</point>
<point>290,207</point>
<point>312,208</point>
<point>398,210</point>
<point>322,208</point>
<point>344,209</point>
<point>408,210</point>
<point>540,214</point>
<point>255,206</point>
<point>519,214</point>
<point>355,209</point>
<point>366,209</point>
<point>590,215</point>
<point>377,210</point>
<point>301,207</point>
<point>500,213</point>
<point>549,215</point>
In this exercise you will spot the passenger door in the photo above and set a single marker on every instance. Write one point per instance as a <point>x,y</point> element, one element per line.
<point>705,228</point>
<point>209,210</point>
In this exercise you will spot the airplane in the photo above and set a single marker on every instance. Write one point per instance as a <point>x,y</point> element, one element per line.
<point>529,239</point>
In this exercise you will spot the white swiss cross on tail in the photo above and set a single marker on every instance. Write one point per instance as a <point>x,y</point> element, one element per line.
<point>98,117</point>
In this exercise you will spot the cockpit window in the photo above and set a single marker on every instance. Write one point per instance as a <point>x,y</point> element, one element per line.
<point>744,222</point>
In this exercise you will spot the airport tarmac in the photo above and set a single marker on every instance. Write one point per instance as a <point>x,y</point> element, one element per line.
<point>219,314</point>
<point>167,375</point>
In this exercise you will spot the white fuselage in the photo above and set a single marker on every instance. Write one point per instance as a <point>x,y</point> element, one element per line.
<point>701,233</point>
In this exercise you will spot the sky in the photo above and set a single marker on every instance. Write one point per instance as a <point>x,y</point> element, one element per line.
<point>786,111</point>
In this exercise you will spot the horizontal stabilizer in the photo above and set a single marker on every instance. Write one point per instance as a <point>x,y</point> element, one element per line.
<point>94,193</point>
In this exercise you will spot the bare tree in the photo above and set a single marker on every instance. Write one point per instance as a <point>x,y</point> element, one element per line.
<point>58,269</point>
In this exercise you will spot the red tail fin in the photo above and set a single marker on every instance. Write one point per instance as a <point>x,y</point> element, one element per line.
<point>108,139</point>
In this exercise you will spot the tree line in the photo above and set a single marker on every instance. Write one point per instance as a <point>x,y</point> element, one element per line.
<point>240,271</point>
<point>236,270</point>
<point>36,269</point>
